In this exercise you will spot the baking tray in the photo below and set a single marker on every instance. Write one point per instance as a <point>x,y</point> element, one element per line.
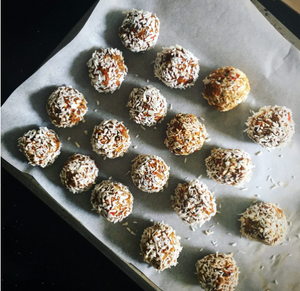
<point>27,177</point>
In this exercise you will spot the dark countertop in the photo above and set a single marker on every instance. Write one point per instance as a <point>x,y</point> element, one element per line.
<point>40,251</point>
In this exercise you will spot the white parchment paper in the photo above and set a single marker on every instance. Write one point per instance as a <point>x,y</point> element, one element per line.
<point>219,33</point>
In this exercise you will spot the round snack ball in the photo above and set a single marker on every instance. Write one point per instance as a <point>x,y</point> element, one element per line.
<point>225,88</point>
<point>147,106</point>
<point>149,173</point>
<point>271,127</point>
<point>265,223</point>
<point>229,166</point>
<point>194,203</point>
<point>185,134</point>
<point>66,107</point>
<point>41,147</point>
<point>107,70</point>
<point>218,272</point>
<point>79,173</point>
<point>110,139</point>
<point>160,246</point>
<point>112,200</point>
<point>176,67</point>
<point>139,30</point>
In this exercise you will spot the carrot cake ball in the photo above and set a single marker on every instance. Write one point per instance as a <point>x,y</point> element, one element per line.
<point>66,107</point>
<point>225,88</point>
<point>107,70</point>
<point>265,223</point>
<point>79,173</point>
<point>41,147</point>
<point>271,127</point>
<point>185,134</point>
<point>147,106</point>
<point>160,246</point>
<point>139,31</point>
<point>112,200</point>
<point>110,139</point>
<point>149,173</point>
<point>217,272</point>
<point>176,67</point>
<point>194,203</point>
<point>229,166</point>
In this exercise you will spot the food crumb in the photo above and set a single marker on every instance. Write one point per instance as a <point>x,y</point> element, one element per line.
<point>208,232</point>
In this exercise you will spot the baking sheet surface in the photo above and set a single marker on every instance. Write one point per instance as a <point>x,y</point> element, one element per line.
<point>219,33</point>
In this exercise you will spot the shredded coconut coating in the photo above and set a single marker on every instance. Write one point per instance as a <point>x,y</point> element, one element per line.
<point>225,88</point>
<point>185,134</point>
<point>107,70</point>
<point>217,272</point>
<point>110,139</point>
<point>271,127</point>
<point>147,106</point>
<point>66,107</point>
<point>229,166</point>
<point>79,173</point>
<point>176,67</point>
<point>112,200</point>
<point>149,173</point>
<point>194,203</point>
<point>41,147</point>
<point>139,30</point>
<point>265,223</point>
<point>160,246</point>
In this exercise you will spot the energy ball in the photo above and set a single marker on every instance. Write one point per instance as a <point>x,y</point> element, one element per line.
<point>112,200</point>
<point>225,88</point>
<point>218,272</point>
<point>176,67</point>
<point>229,166</point>
<point>149,173</point>
<point>147,106</point>
<point>66,107</point>
<point>139,30</point>
<point>110,139</point>
<point>265,223</point>
<point>107,70</point>
<point>194,203</point>
<point>160,246</point>
<point>185,134</point>
<point>271,127</point>
<point>41,147</point>
<point>79,173</point>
